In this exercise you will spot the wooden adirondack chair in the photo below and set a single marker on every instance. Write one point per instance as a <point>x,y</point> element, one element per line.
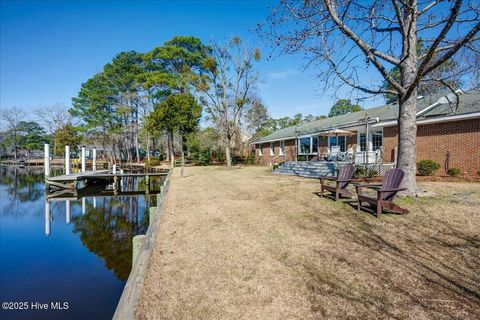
<point>344,177</point>
<point>386,192</point>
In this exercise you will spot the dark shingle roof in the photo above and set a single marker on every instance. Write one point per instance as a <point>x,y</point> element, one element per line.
<point>469,102</point>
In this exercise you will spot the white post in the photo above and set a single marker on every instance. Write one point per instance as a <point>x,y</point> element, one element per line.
<point>67,159</point>
<point>48,218</point>
<point>365,157</point>
<point>94,163</point>
<point>83,159</point>
<point>114,169</point>
<point>47,160</point>
<point>94,202</point>
<point>67,211</point>
<point>84,210</point>
<point>121,180</point>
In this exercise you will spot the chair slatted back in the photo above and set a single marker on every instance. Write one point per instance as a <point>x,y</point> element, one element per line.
<point>393,179</point>
<point>346,173</point>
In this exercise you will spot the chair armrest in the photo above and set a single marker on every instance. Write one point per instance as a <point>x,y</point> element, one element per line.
<point>345,180</point>
<point>328,178</point>
<point>391,190</point>
<point>369,185</point>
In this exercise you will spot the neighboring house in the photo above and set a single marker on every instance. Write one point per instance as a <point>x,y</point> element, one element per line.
<point>101,152</point>
<point>445,134</point>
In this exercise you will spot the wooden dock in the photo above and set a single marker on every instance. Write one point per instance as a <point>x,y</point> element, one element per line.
<point>64,195</point>
<point>80,180</point>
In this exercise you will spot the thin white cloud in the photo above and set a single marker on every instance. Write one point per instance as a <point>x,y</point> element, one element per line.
<point>282,74</point>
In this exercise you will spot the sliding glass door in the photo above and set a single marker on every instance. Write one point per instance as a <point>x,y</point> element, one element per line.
<point>340,141</point>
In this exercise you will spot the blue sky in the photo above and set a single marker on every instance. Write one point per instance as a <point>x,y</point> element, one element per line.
<point>48,48</point>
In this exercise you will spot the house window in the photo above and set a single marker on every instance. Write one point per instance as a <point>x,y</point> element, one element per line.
<point>314,145</point>
<point>362,141</point>
<point>282,148</point>
<point>308,145</point>
<point>304,145</point>
<point>260,149</point>
<point>272,148</point>
<point>377,140</point>
<point>340,141</point>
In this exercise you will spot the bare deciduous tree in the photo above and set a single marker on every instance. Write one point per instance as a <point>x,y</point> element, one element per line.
<point>349,39</point>
<point>53,118</point>
<point>12,117</point>
<point>228,87</point>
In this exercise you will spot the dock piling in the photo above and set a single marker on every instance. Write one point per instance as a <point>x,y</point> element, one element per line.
<point>147,184</point>
<point>67,211</point>
<point>94,155</point>
<point>83,159</point>
<point>67,159</point>
<point>47,160</point>
<point>48,218</point>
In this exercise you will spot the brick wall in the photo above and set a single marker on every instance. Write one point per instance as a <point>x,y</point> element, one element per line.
<point>266,158</point>
<point>461,139</point>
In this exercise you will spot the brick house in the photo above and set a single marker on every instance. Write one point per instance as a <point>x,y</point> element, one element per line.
<point>446,133</point>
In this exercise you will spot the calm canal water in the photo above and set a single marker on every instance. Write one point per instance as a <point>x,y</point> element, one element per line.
<point>81,257</point>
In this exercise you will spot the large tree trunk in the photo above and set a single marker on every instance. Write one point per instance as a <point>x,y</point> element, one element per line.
<point>147,144</point>
<point>170,149</point>
<point>167,153</point>
<point>137,146</point>
<point>228,155</point>
<point>407,134</point>
<point>407,127</point>
<point>114,152</point>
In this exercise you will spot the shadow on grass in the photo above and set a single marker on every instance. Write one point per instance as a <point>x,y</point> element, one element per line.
<point>393,267</point>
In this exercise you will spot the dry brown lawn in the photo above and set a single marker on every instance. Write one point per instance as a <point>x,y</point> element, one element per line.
<point>248,244</point>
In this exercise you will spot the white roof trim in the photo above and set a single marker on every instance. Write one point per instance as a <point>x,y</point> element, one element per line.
<point>273,140</point>
<point>433,120</point>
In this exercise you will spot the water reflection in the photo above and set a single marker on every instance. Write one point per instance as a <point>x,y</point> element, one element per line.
<point>107,231</point>
<point>89,233</point>
<point>21,184</point>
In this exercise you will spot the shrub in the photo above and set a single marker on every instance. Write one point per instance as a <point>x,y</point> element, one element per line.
<point>250,159</point>
<point>154,161</point>
<point>202,158</point>
<point>453,172</point>
<point>372,173</point>
<point>362,172</point>
<point>238,160</point>
<point>302,158</point>
<point>427,167</point>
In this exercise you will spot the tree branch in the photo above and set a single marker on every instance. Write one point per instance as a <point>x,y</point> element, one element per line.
<point>368,51</point>
<point>446,56</point>
<point>349,82</point>
<point>398,13</point>
<point>429,6</point>
<point>439,38</point>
